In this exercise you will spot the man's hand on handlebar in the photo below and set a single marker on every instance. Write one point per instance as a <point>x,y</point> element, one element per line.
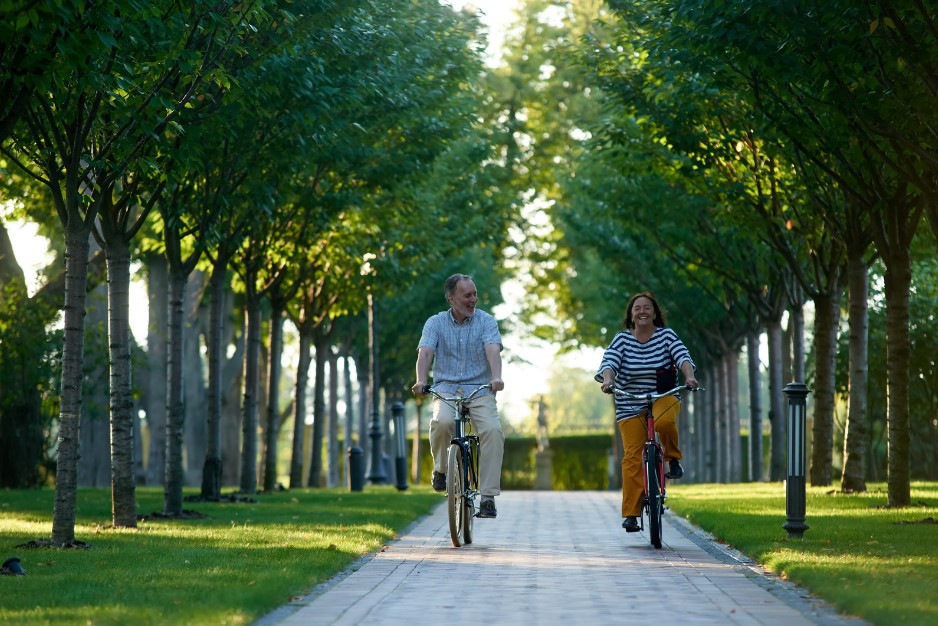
<point>419,389</point>
<point>496,384</point>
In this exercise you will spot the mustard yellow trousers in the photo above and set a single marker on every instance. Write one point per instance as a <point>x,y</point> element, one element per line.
<point>634,431</point>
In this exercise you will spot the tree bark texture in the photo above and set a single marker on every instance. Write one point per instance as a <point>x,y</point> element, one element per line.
<point>175,400</point>
<point>249,415</point>
<point>856,430</point>
<point>332,471</point>
<point>321,346</point>
<point>897,282</point>
<point>155,401</point>
<point>77,236</point>
<point>272,425</point>
<point>123,485</point>
<point>777,417</point>
<point>212,469</point>
<point>94,463</point>
<point>299,409</point>
<point>826,326</point>
<point>753,359</point>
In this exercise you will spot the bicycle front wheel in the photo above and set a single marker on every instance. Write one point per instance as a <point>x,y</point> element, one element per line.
<point>456,494</point>
<point>654,497</point>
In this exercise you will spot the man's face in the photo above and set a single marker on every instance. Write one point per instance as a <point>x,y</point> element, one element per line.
<point>464,300</point>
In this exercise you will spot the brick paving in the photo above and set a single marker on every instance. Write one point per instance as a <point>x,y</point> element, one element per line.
<point>556,558</point>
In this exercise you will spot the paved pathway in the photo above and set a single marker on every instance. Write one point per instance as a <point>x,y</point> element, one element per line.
<point>556,558</point>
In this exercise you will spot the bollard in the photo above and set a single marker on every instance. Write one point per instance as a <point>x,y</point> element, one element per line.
<point>400,461</point>
<point>795,485</point>
<point>356,469</point>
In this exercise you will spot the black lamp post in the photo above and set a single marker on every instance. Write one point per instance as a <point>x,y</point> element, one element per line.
<point>376,475</point>
<point>795,485</point>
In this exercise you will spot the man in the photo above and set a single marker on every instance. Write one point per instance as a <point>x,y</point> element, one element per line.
<point>464,346</point>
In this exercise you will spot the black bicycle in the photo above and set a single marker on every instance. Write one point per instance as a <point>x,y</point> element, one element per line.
<point>653,472</point>
<point>462,467</point>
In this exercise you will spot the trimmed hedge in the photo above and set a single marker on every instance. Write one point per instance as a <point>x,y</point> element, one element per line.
<point>578,462</point>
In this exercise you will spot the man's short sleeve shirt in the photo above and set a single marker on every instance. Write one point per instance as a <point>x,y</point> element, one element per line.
<point>459,349</point>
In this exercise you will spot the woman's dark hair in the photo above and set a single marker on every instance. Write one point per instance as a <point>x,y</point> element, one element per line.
<point>449,286</point>
<point>659,314</point>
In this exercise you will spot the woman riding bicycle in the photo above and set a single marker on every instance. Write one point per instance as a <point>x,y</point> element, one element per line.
<point>645,357</point>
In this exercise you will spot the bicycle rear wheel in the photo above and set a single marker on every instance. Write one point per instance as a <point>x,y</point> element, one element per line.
<point>654,497</point>
<point>456,494</point>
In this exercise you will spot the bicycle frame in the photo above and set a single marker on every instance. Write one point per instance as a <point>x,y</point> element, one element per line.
<point>462,475</point>
<point>653,473</point>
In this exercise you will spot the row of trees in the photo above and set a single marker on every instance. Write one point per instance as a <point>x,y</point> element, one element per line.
<point>282,145</point>
<point>285,160</point>
<point>743,160</point>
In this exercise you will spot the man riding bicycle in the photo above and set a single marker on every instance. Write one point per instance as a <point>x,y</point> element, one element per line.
<point>464,346</point>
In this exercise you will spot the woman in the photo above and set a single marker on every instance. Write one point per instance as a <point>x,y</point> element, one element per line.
<point>645,357</point>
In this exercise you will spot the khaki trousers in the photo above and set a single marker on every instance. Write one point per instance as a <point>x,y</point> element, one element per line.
<point>634,431</point>
<point>484,415</point>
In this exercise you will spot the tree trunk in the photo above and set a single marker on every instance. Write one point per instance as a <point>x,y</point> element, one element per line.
<point>350,413</point>
<point>755,407</point>
<point>732,368</point>
<point>175,400</point>
<point>796,326</point>
<point>76,277</point>
<point>321,343</point>
<point>299,409</point>
<point>212,470</point>
<point>332,472</point>
<point>777,417</point>
<point>856,432</point>
<point>123,485</point>
<point>898,279</point>
<point>273,394</point>
<point>722,449</point>
<point>94,463</point>
<point>155,401</point>
<point>248,480</point>
<point>826,325</point>
<point>194,389</point>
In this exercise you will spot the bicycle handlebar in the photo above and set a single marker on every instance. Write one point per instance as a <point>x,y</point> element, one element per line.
<point>652,396</point>
<point>427,389</point>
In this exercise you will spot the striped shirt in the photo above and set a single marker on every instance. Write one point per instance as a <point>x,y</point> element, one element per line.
<point>459,349</point>
<point>636,364</point>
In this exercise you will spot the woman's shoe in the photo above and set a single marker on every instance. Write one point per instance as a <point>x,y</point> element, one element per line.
<point>630,524</point>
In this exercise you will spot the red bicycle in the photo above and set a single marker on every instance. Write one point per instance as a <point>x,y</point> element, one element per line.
<point>653,473</point>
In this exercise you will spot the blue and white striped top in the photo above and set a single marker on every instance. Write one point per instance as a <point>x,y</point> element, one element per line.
<point>459,349</point>
<point>636,364</point>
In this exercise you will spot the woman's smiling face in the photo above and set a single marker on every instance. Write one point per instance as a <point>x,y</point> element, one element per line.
<point>643,312</point>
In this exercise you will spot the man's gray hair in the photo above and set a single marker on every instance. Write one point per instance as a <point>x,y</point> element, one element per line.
<point>449,287</point>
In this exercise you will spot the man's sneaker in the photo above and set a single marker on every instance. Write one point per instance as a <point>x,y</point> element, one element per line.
<point>439,481</point>
<point>630,524</point>
<point>674,469</point>
<point>488,509</point>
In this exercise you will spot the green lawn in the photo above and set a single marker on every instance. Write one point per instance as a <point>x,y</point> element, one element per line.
<point>246,559</point>
<point>238,564</point>
<point>874,562</point>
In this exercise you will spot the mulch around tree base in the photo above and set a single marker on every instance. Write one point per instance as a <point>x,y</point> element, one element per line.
<point>46,543</point>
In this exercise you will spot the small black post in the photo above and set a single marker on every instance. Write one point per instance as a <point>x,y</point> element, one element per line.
<point>400,437</point>
<point>795,485</point>
<point>356,469</point>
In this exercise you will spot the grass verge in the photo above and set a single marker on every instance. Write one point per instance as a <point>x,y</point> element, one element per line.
<point>233,566</point>
<point>868,560</point>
